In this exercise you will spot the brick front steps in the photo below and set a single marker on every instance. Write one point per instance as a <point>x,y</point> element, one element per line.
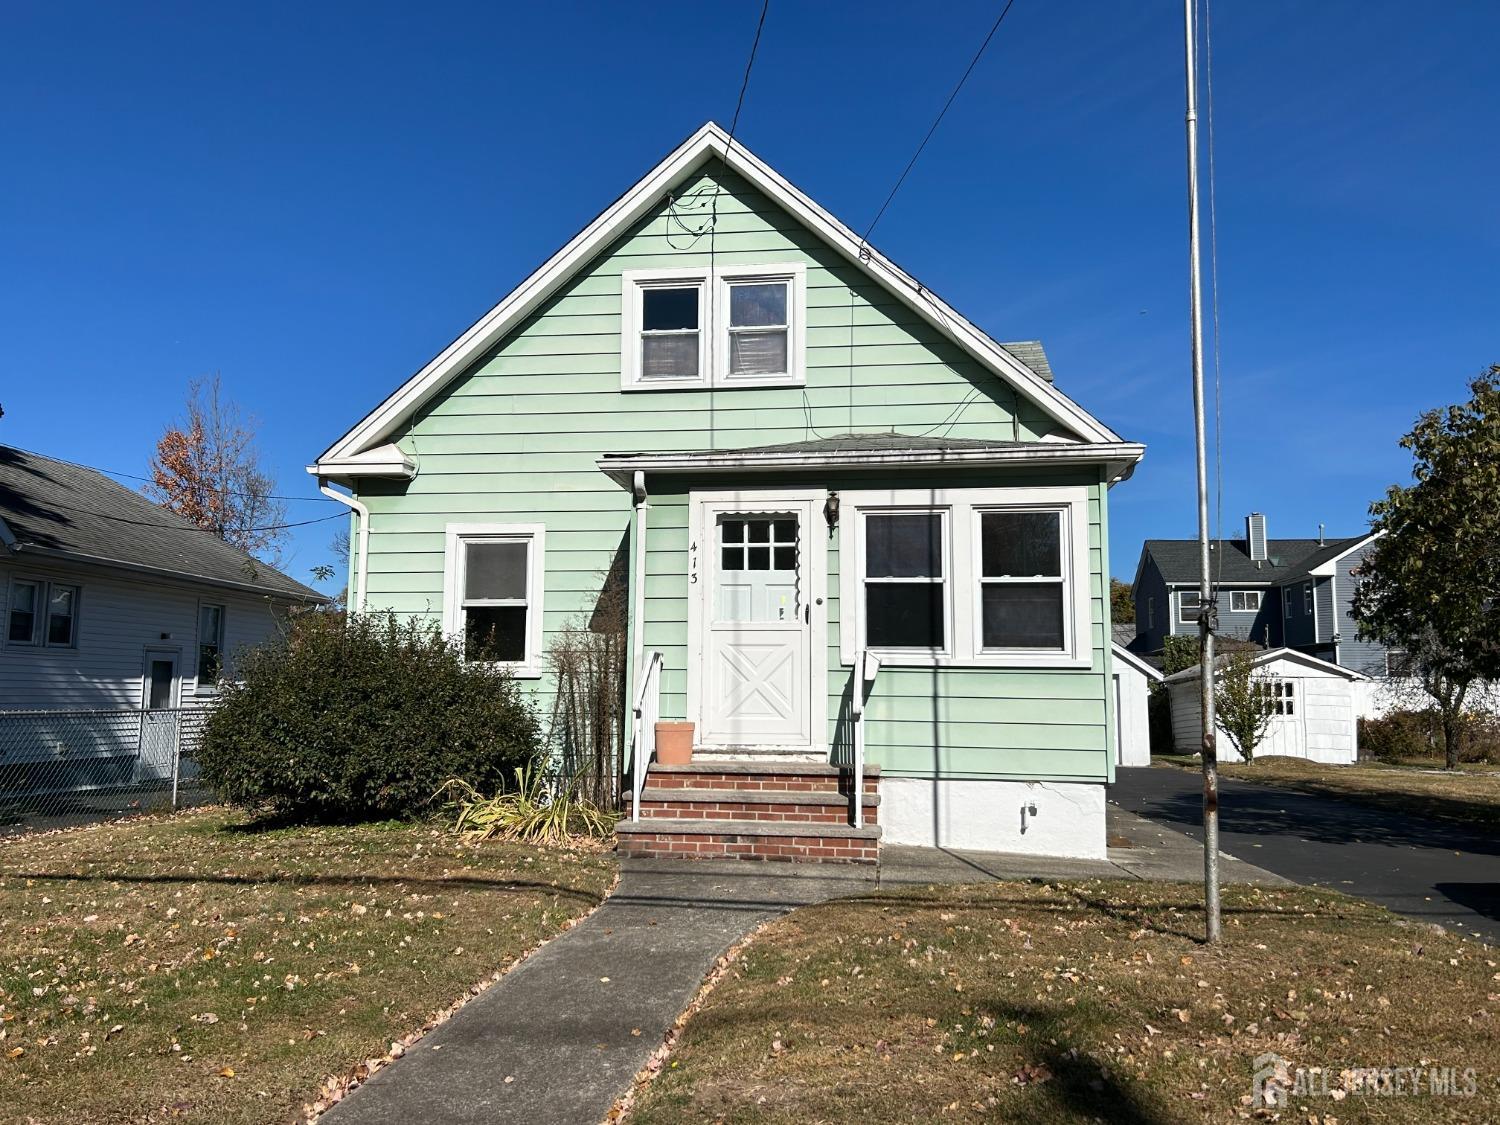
<point>752,810</point>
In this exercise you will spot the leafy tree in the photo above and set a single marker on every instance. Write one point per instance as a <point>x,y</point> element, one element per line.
<point>207,470</point>
<point>1431,585</point>
<point>1179,651</point>
<point>1243,702</point>
<point>1121,603</point>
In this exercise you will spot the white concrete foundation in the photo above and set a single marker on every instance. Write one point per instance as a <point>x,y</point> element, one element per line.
<point>995,816</point>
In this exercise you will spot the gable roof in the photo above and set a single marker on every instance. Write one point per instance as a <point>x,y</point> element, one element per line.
<point>1177,559</point>
<point>709,143</point>
<point>1271,656</point>
<point>1033,355</point>
<point>56,509</point>
<point>1136,661</point>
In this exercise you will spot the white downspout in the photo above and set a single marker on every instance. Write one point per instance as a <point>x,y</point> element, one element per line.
<point>361,553</point>
<point>638,593</point>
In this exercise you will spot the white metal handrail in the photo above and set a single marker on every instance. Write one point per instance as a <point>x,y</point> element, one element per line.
<point>646,712</point>
<point>866,668</point>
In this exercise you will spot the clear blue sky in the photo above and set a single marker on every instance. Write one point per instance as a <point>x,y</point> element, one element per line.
<point>314,199</point>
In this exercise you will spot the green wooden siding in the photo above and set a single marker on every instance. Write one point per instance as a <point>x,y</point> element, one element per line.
<point>516,438</point>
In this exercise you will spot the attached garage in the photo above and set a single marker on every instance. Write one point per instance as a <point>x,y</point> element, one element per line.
<point>1132,679</point>
<point>1317,708</point>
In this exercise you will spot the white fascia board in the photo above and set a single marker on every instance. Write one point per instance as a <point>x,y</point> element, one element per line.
<point>1328,568</point>
<point>1271,656</point>
<point>1126,656</point>
<point>647,193</point>
<point>621,469</point>
<point>382,461</point>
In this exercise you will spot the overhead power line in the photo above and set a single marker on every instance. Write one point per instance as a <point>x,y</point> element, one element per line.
<point>149,480</point>
<point>1005,11</point>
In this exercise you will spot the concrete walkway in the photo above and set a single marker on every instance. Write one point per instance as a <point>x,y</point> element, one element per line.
<point>561,1037</point>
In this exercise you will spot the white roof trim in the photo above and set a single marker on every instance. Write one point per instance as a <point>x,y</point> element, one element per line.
<point>1289,654</point>
<point>1327,568</point>
<point>1126,656</point>
<point>382,461</point>
<point>1121,456</point>
<point>707,142</point>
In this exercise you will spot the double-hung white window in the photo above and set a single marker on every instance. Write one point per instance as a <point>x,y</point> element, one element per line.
<point>1189,602</point>
<point>492,593</point>
<point>966,577</point>
<point>210,644</point>
<point>42,613</point>
<point>1244,601</point>
<point>730,326</point>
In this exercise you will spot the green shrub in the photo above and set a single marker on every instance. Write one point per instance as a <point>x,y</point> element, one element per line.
<point>1403,736</point>
<point>362,718</point>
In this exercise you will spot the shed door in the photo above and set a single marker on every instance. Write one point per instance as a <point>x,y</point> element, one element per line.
<point>756,610</point>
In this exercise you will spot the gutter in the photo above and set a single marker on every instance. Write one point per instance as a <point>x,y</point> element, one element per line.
<point>359,579</point>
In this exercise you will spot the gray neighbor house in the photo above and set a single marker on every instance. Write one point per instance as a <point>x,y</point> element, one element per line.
<point>1295,593</point>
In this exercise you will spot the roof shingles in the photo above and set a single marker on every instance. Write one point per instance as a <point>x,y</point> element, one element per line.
<point>57,506</point>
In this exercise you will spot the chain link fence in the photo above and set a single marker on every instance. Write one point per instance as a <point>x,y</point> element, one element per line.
<point>61,768</point>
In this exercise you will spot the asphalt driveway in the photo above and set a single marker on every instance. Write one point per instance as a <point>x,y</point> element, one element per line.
<point>1425,869</point>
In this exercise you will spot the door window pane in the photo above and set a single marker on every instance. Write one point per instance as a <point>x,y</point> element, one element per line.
<point>904,615</point>
<point>757,577</point>
<point>495,571</point>
<point>1021,544</point>
<point>22,625</point>
<point>495,632</point>
<point>159,695</point>
<point>904,546</point>
<point>1023,615</point>
<point>62,611</point>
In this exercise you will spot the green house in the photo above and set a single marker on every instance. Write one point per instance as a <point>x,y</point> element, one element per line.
<point>849,534</point>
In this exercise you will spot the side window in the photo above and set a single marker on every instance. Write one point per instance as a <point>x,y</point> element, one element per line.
<point>1023,583</point>
<point>21,623</point>
<point>62,615</point>
<point>671,345</point>
<point>1151,613</point>
<point>1307,598</point>
<point>905,580</point>
<point>493,594</point>
<point>210,644</point>
<point>1187,606</point>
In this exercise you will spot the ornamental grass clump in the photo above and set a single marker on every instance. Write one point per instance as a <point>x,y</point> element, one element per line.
<point>534,811</point>
<point>362,718</point>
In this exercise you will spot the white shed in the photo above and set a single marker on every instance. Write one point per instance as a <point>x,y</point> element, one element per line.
<point>1133,678</point>
<point>1317,709</point>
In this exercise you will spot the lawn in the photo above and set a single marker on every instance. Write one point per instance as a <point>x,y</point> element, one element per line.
<point>1468,796</point>
<point>1070,1002</point>
<point>198,968</point>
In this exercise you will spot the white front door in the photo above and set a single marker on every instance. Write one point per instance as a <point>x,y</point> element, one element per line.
<point>757,606</point>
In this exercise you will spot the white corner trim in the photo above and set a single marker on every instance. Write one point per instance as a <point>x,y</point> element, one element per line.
<point>708,142</point>
<point>962,508</point>
<point>454,537</point>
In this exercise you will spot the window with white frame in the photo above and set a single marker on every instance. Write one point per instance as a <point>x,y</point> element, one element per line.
<point>905,581</point>
<point>493,593</point>
<point>1307,598</point>
<point>210,644</point>
<point>1244,601</point>
<point>1188,604</point>
<point>42,613</point>
<point>966,577</point>
<point>1023,587</point>
<point>730,326</point>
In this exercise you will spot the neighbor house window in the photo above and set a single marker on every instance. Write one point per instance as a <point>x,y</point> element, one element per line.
<point>1307,598</point>
<point>210,644</point>
<point>1286,604</point>
<point>1188,603</point>
<point>1151,613</point>
<point>727,326</point>
<point>1023,585</point>
<point>967,577</point>
<point>493,593</point>
<point>1244,601</point>
<point>42,613</point>
<point>905,581</point>
<point>1398,662</point>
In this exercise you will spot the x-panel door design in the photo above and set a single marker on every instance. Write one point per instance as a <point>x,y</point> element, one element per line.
<point>756,589</point>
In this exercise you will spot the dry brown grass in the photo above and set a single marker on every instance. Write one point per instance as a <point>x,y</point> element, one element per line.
<point>199,969</point>
<point>1470,795</point>
<point>1076,1002</point>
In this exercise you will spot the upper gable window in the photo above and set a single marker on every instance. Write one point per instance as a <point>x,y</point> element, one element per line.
<point>732,326</point>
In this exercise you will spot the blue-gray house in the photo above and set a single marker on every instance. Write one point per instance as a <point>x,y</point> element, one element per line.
<point>1295,593</point>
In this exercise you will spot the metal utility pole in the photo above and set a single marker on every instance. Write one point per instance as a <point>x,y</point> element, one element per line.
<point>1205,587</point>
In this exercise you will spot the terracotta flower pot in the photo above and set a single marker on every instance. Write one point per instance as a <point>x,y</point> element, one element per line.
<point>674,743</point>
